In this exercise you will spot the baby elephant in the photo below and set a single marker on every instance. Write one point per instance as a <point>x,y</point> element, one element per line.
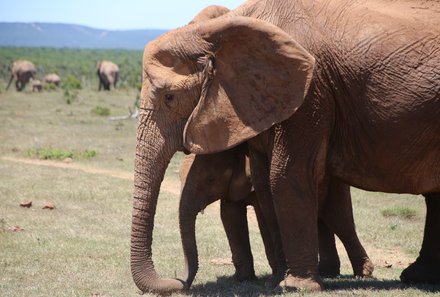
<point>226,176</point>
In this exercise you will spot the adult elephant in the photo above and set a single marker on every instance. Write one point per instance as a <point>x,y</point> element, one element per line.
<point>22,71</point>
<point>226,176</point>
<point>210,12</point>
<point>52,78</point>
<point>321,90</point>
<point>108,74</point>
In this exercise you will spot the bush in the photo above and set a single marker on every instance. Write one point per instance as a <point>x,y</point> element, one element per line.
<point>71,83</point>
<point>50,87</point>
<point>70,96</point>
<point>102,111</point>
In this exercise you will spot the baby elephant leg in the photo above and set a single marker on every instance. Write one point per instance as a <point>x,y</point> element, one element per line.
<point>234,219</point>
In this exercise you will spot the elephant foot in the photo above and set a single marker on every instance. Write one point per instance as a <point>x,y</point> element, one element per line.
<point>422,271</point>
<point>243,277</point>
<point>275,279</point>
<point>309,284</point>
<point>364,268</point>
<point>328,269</point>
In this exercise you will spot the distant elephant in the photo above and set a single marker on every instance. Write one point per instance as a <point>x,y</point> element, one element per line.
<point>226,176</point>
<point>52,78</point>
<point>37,85</point>
<point>321,91</point>
<point>108,74</point>
<point>22,71</point>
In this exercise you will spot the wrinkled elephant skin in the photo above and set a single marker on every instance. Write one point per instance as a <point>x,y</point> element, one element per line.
<point>320,90</point>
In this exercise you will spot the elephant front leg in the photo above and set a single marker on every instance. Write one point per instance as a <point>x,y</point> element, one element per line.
<point>426,269</point>
<point>234,219</point>
<point>296,181</point>
<point>266,217</point>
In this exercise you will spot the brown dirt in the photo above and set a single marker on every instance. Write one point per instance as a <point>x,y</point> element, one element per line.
<point>167,185</point>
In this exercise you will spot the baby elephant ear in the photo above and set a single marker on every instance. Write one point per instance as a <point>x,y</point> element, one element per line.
<point>257,76</point>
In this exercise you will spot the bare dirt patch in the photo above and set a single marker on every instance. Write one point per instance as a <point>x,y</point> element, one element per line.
<point>167,185</point>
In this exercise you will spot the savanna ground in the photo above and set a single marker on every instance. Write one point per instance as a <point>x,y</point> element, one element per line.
<point>81,247</point>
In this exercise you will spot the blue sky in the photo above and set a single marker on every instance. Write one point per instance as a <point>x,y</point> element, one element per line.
<point>109,14</point>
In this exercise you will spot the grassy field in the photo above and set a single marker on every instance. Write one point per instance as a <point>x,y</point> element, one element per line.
<point>81,248</point>
<point>80,63</point>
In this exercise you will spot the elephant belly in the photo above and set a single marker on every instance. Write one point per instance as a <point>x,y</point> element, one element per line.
<point>392,161</point>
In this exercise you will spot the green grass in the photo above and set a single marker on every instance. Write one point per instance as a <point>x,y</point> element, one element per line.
<point>399,211</point>
<point>81,247</point>
<point>51,153</point>
<point>101,111</point>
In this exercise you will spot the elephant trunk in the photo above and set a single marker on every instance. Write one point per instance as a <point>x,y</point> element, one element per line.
<point>188,210</point>
<point>152,158</point>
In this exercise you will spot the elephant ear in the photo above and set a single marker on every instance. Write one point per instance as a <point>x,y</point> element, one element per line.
<point>257,76</point>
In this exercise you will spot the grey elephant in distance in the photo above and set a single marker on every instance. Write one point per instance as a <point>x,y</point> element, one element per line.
<point>52,78</point>
<point>226,176</point>
<point>108,75</point>
<point>22,71</point>
<point>321,91</point>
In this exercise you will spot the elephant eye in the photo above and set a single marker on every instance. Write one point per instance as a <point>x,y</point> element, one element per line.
<point>169,97</point>
<point>210,180</point>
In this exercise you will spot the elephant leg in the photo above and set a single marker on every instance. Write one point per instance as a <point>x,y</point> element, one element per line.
<point>337,214</point>
<point>266,216</point>
<point>18,85</point>
<point>275,257</point>
<point>234,219</point>
<point>426,269</point>
<point>9,83</point>
<point>329,264</point>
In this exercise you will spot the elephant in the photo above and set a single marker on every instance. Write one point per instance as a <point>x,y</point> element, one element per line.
<point>210,12</point>
<point>322,91</point>
<point>37,85</point>
<point>108,74</point>
<point>22,71</point>
<point>52,78</point>
<point>226,176</point>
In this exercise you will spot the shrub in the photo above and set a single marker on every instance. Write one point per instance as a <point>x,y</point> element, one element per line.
<point>70,96</point>
<point>50,87</point>
<point>71,83</point>
<point>102,111</point>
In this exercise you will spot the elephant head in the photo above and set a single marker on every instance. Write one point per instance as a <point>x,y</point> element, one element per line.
<point>207,88</point>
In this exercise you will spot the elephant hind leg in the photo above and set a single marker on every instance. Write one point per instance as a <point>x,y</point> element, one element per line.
<point>426,269</point>
<point>329,263</point>
<point>338,201</point>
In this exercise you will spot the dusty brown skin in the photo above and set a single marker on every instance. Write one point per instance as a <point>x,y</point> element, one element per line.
<point>210,12</point>
<point>22,71</point>
<point>108,74</point>
<point>226,176</point>
<point>52,78</point>
<point>321,90</point>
